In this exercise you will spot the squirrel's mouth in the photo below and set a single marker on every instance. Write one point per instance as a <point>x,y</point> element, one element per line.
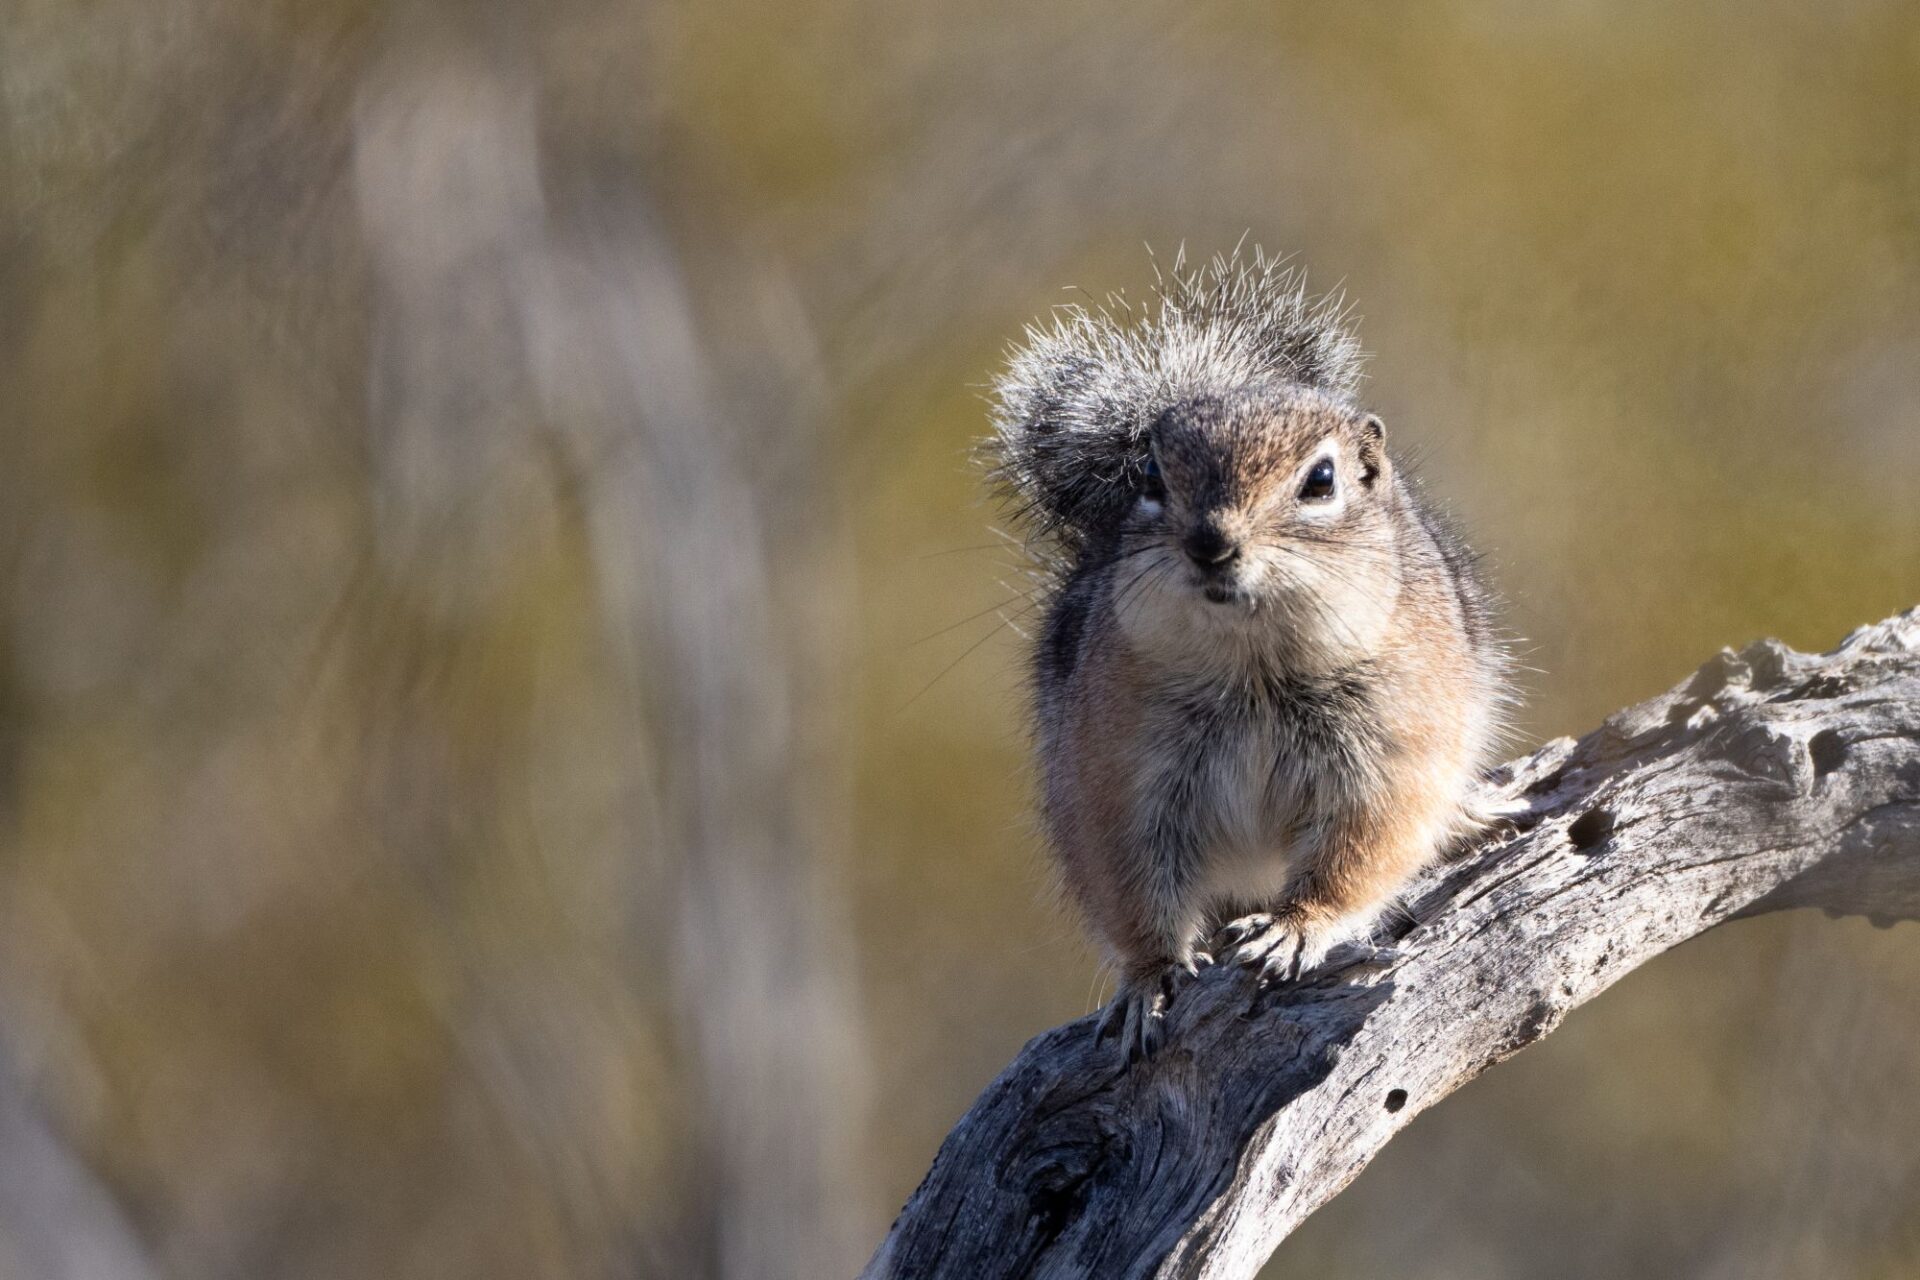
<point>1229,589</point>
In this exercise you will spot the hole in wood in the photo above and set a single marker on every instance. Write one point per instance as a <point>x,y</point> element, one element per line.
<point>1396,1099</point>
<point>1542,786</point>
<point>1591,828</point>
<point>1828,749</point>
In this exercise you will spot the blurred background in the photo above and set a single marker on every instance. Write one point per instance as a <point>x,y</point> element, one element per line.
<point>511,759</point>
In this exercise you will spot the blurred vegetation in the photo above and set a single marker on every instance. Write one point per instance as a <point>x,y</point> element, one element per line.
<point>510,745</point>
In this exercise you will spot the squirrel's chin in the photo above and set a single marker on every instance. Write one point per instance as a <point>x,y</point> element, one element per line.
<point>1223,626</point>
<point>1227,624</point>
<point>1224,593</point>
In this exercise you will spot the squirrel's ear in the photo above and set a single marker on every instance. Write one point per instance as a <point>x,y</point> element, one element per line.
<point>1373,450</point>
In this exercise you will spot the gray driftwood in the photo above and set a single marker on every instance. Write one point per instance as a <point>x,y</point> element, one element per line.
<point>1770,779</point>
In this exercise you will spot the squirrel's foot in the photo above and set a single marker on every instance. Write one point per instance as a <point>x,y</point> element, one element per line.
<point>1487,818</point>
<point>1283,945</point>
<point>1137,1014</point>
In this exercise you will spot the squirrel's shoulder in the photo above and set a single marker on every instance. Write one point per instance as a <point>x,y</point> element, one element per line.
<point>1463,565</point>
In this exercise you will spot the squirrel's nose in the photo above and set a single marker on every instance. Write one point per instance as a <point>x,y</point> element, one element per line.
<point>1210,549</point>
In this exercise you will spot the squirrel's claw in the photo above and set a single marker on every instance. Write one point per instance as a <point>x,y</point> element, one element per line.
<point>1281,946</point>
<point>1137,1014</point>
<point>1234,932</point>
<point>1288,958</point>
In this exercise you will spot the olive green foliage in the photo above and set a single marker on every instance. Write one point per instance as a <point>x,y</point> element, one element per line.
<point>511,759</point>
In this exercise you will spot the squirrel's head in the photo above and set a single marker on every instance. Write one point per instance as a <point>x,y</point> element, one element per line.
<point>1077,400</point>
<point>1210,452</point>
<point>1274,503</point>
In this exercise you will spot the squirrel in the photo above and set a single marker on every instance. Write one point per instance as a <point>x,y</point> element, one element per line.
<point>1268,681</point>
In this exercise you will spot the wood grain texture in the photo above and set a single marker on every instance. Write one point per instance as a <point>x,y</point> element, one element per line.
<point>1770,779</point>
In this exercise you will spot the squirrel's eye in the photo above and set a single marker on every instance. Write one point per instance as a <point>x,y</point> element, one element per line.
<point>1151,484</point>
<point>1318,486</point>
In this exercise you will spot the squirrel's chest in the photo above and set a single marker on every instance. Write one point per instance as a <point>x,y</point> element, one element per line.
<point>1219,784</point>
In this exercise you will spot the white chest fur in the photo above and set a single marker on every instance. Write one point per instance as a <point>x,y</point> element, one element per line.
<point>1219,796</point>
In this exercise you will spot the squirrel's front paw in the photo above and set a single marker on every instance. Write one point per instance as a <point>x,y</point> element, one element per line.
<point>1283,945</point>
<point>1137,1014</point>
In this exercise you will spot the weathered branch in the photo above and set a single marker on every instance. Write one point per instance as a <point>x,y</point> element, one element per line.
<point>1771,779</point>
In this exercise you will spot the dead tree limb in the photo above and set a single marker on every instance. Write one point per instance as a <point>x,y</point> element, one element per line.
<point>1770,779</point>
